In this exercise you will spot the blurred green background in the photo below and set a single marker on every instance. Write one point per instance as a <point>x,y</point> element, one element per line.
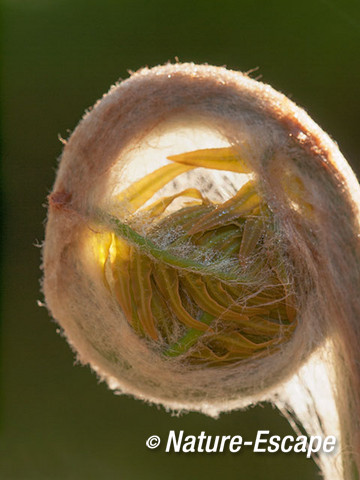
<point>59,56</point>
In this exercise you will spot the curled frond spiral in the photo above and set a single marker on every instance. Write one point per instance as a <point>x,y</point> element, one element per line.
<point>202,252</point>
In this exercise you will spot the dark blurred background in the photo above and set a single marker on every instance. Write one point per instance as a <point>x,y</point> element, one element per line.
<point>59,57</point>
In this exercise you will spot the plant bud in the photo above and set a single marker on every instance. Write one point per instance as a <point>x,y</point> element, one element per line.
<point>202,251</point>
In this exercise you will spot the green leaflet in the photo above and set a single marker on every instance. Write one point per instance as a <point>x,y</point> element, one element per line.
<point>213,291</point>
